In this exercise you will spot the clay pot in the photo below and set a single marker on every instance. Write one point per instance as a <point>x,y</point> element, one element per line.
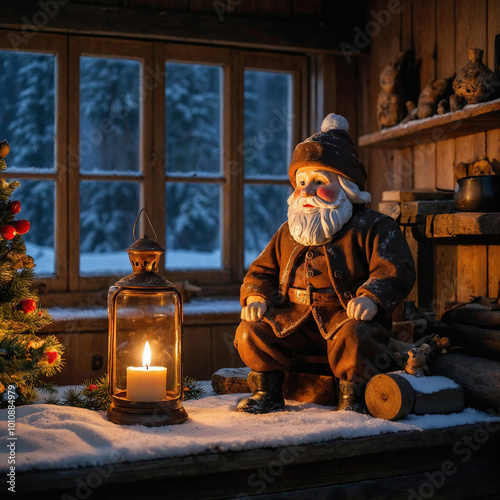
<point>475,82</point>
<point>480,193</point>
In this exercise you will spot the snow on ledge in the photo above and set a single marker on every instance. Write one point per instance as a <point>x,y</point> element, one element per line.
<point>205,305</point>
<point>59,437</point>
<point>429,385</point>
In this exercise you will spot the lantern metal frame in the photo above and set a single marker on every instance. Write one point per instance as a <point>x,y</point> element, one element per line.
<point>145,281</point>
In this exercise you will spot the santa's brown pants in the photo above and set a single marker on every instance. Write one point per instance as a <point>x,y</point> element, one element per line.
<point>355,353</point>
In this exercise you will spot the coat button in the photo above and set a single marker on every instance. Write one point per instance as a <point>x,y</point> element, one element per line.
<point>337,274</point>
<point>309,255</point>
<point>310,274</point>
<point>347,295</point>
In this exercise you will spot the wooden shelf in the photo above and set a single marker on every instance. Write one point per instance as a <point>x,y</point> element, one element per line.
<point>470,120</point>
<point>463,224</point>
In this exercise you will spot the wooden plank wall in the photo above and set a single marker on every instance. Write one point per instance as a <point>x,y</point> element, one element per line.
<point>266,8</point>
<point>439,32</point>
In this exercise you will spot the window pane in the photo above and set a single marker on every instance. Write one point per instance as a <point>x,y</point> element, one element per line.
<point>109,114</point>
<point>108,211</point>
<point>193,226</point>
<point>193,106</point>
<point>27,104</point>
<point>37,205</point>
<point>268,123</point>
<point>265,210</point>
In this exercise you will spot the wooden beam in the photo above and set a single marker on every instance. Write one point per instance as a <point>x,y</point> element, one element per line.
<point>462,224</point>
<point>288,34</point>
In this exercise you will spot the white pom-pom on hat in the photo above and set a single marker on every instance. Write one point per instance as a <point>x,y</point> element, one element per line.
<point>334,122</point>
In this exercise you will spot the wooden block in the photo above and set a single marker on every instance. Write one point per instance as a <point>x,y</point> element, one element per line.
<point>475,341</point>
<point>298,386</point>
<point>392,396</point>
<point>415,195</point>
<point>390,208</point>
<point>310,388</point>
<point>462,224</point>
<point>479,377</point>
<point>231,381</point>
<point>414,208</point>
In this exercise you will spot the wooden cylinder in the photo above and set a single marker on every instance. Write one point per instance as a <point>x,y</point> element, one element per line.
<point>392,396</point>
<point>389,396</point>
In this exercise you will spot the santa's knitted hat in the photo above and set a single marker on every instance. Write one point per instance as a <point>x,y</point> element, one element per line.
<point>331,149</point>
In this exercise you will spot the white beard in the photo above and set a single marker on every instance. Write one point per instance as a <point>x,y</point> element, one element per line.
<point>318,225</point>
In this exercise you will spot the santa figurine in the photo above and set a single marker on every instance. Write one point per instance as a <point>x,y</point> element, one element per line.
<point>327,282</point>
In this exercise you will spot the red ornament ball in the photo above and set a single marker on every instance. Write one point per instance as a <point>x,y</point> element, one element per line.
<point>14,207</point>
<point>8,232</point>
<point>27,305</point>
<point>22,226</point>
<point>51,356</point>
<point>92,387</point>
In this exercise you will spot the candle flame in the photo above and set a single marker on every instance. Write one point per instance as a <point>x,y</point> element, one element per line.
<point>146,357</point>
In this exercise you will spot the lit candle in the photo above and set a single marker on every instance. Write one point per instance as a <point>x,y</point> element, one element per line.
<point>146,383</point>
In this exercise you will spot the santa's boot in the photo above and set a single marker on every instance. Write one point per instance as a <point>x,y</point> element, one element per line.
<point>267,393</point>
<point>352,397</point>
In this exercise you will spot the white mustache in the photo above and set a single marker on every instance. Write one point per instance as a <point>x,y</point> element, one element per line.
<point>317,202</point>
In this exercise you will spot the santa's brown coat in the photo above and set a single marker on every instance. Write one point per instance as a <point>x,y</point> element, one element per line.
<point>368,256</point>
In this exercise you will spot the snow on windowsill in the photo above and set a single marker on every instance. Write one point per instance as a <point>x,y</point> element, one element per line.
<point>202,305</point>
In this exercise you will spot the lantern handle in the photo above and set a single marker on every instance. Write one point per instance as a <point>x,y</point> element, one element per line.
<point>149,220</point>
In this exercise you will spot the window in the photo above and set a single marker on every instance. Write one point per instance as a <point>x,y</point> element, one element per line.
<point>199,136</point>
<point>33,101</point>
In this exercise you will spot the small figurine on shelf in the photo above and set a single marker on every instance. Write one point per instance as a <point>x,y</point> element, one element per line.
<point>391,98</point>
<point>474,83</point>
<point>328,281</point>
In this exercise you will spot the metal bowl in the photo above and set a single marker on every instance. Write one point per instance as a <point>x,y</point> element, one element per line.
<point>479,193</point>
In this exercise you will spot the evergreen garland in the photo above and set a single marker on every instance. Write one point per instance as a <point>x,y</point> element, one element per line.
<point>24,357</point>
<point>94,394</point>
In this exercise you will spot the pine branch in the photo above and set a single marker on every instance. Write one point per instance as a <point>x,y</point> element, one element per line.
<point>192,389</point>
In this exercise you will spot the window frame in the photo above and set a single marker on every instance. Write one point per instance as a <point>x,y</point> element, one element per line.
<point>212,56</point>
<point>153,55</point>
<point>57,46</point>
<point>112,48</point>
<point>296,66</point>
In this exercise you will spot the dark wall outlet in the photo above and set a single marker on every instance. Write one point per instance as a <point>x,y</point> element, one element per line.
<point>97,362</point>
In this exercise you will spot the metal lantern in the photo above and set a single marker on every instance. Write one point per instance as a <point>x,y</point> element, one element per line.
<point>145,342</point>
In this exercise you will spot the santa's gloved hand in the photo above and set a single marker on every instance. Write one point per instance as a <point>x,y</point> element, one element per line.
<point>255,308</point>
<point>362,308</point>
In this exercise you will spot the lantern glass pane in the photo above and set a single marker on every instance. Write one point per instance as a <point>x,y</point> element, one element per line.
<point>153,317</point>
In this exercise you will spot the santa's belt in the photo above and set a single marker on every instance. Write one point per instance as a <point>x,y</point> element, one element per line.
<point>309,297</point>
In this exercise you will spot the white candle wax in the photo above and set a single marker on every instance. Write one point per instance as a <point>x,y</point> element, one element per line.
<point>146,384</point>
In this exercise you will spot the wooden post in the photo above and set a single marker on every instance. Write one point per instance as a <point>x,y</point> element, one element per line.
<point>392,396</point>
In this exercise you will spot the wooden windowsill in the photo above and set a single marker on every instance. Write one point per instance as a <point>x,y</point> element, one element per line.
<point>198,311</point>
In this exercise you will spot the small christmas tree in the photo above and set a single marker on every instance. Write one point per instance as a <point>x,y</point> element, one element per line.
<point>24,356</point>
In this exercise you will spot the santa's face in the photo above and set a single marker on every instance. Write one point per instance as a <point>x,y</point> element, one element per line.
<point>318,208</point>
<point>314,181</point>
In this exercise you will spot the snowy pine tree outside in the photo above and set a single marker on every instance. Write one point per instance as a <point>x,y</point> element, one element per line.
<point>110,90</point>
